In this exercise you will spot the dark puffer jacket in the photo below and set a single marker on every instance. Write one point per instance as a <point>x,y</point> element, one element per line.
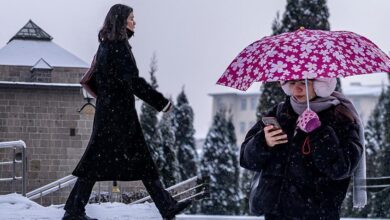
<point>301,186</point>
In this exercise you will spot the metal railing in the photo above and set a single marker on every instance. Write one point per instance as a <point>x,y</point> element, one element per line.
<point>376,184</point>
<point>201,186</point>
<point>70,180</point>
<point>16,145</point>
<point>52,187</point>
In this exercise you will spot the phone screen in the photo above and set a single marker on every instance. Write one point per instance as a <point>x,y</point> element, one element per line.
<point>271,121</point>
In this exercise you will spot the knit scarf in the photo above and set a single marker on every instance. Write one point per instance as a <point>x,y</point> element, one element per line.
<point>317,105</point>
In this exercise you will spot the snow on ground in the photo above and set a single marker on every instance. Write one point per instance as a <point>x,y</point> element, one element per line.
<point>16,207</point>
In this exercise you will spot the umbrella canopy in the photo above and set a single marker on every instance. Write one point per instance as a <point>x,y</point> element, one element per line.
<point>304,54</point>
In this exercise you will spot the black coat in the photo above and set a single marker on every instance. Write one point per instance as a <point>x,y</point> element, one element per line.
<point>302,186</point>
<point>117,148</point>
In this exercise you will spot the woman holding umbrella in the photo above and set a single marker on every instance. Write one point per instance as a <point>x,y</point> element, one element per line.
<point>117,148</point>
<point>305,169</point>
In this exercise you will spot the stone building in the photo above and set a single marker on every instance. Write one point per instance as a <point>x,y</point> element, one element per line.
<point>40,96</point>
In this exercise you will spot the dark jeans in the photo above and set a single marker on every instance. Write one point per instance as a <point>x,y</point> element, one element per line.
<point>81,191</point>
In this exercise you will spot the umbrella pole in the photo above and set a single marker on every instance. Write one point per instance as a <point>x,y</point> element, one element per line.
<point>307,94</point>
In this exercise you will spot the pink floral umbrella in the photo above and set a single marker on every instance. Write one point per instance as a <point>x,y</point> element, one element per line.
<point>304,54</point>
<point>308,54</point>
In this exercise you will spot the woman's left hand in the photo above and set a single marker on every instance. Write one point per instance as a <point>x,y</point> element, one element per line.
<point>169,107</point>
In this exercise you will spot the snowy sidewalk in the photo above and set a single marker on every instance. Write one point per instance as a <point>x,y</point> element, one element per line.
<point>17,207</point>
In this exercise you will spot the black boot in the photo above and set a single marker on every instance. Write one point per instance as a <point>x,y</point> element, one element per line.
<point>165,203</point>
<point>81,216</point>
<point>176,209</point>
<point>78,199</point>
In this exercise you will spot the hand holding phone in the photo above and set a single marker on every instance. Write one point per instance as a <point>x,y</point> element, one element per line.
<point>271,121</point>
<point>273,135</point>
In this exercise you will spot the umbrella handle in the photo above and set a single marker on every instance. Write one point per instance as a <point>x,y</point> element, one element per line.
<point>307,94</point>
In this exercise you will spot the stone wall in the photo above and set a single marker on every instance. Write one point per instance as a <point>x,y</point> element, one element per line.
<point>46,117</point>
<point>56,134</point>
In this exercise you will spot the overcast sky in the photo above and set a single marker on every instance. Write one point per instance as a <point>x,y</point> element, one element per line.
<point>194,40</point>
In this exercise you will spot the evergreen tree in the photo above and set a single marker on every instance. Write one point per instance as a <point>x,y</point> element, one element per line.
<point>184,134</point>
<point>218,164</point>
<point>182,98</point>
<point>376,147</point>
<point>374,136</point>
<point>381,204</point>
<point>382,198</point>
<point>167,162</point>
<point>384,156</point>
<point>148,117</point>
<point>232,139</point>
<point>310,14</point>
<point>235,153</point>
<point>245,186</point>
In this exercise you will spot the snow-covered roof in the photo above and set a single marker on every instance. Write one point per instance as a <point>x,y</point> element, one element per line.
<point>31,44</point>
<point>29,52</point>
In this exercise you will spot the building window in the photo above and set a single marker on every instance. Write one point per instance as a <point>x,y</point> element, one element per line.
<point>243,104</point>
<point>73,132</point>
<point>242,127</point>
<point>253,103</point>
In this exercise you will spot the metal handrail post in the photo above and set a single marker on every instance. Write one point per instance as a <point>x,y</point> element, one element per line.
<point>99,192</point>
<point>24,171</point>
<point>14,169</point>
<point>16,144</point>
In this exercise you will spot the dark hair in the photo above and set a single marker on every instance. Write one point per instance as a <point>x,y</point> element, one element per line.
<point>346,112</point>
<point>114,27</point>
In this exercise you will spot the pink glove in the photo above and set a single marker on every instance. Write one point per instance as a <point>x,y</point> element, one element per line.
<point>308,121</point>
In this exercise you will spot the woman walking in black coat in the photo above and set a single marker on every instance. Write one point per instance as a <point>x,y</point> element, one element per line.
<point>117,148</point>
<point>304,174</point>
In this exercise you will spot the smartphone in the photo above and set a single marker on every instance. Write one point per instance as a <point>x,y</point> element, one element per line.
<point>271,121</point>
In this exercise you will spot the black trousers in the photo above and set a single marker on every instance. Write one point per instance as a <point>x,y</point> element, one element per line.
<point>280,217</point>
<point>81,192</point>
<point>277,217</point>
